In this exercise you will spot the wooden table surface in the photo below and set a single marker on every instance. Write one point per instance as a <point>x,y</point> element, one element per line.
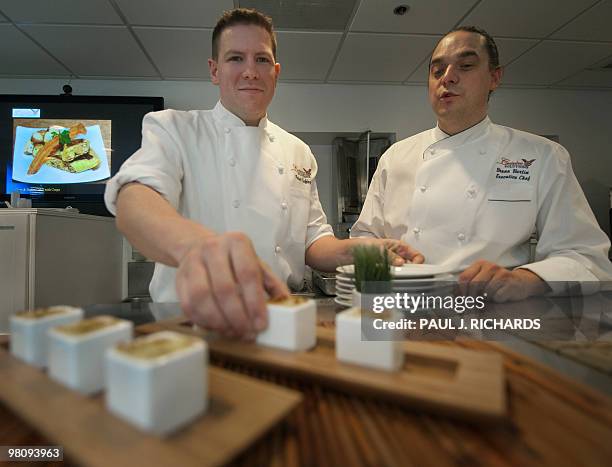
<point>552,421</point>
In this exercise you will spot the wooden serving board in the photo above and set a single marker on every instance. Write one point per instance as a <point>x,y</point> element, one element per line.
<point>460,383</point>
<point>240,410</point>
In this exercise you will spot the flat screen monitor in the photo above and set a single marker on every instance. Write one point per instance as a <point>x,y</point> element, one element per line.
<point>60,151</point>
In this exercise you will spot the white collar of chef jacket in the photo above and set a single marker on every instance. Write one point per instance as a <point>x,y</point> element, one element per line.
<point>465,136</point>
<point>229,119</point>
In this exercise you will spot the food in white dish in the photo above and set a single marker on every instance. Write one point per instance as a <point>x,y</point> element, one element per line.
<point>76,351</point>
<point>158,382</point>
<point>292,324</point>
<point>29,340</point>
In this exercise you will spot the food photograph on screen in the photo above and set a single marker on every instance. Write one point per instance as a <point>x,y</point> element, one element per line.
<point>61,151</point>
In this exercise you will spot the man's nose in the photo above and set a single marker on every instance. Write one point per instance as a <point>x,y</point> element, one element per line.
<point>450,75</point>
<point>250,70</point>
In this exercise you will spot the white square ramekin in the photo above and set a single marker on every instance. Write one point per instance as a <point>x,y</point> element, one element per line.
<point>292,324</point>
<point>155,387</point>
<point>352,346</point>
<point>76,351</point>
<point>29,340</point>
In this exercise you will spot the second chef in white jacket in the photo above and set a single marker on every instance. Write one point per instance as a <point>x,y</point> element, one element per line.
<point>469,194</point>
<point>218,197</point>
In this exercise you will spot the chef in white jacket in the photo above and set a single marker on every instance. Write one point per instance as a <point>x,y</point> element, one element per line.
<point>469,194</point>
<point>219,197</point>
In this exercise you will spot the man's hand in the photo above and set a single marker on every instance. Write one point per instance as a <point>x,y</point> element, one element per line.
<point>328,252</point>
<point>399,252</point>
<point>500,284</point>
<point>221,285</point>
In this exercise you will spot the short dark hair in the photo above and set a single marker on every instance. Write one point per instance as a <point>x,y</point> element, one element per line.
<point>245,16</point>
<point>490,45</point>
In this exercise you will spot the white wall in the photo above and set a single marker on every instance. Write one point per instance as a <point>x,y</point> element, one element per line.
<point>582,119</point>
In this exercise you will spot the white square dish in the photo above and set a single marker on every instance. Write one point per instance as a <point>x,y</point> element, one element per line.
<point>351,346</point>
<point>292,324</point>
<point>158,382</point>
<point>76,351</point>
<point>29,340</point>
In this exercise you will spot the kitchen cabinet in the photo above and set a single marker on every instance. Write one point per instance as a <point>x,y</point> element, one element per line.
<point>51,257</point>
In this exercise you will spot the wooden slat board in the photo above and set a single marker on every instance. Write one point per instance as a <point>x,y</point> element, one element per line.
<point>454,382</point>
<point>241,409</point>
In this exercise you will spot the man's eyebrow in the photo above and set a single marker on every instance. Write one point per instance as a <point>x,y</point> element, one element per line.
<point>233,52</point>
<point>468,53</point>
<point>464,54</point>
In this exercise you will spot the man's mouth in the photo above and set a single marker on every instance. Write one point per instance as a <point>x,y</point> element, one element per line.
<point>448,94</point>
<point>251,89</point>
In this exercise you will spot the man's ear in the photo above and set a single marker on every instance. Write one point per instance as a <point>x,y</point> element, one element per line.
<point>496,76</point>
<point>277,69</point>
<point>213,69</point>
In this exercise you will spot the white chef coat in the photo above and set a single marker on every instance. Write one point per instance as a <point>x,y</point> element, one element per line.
<point>480,194</point>
<point>217,171</point>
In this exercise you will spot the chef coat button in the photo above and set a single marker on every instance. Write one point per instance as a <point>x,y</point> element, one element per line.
<point>482,151</point>
<point>281,170</point>
<point>284,206</point>
<point>232,162</point>
<point>423,188</point>
<point>272,138</point>
<point>471,192</point>
<point>236,203</point>
<point>432,151</point>
<point>277,249</point>
<point>416,231</point>
<point>228,130</point>
<point>461,236</point>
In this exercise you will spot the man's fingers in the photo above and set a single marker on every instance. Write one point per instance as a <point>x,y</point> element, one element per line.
<point>193,290</point>
<point>395,259</point>
<point>248,275</point>
<point>418,259</point>
<point>226,288</point>
<point>466,276</point>
<point>504,293</point>
<point>493,286</point>
<point>479,282</point>
<point>405,251</point>
<point>275,287</point>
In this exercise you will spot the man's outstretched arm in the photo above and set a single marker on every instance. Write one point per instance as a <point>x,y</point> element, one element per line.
<point>220,281</point>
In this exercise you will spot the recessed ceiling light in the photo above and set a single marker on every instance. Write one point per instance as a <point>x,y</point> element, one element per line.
<point>401,10</point>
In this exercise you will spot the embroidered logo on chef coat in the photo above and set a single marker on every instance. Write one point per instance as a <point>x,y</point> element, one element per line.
<point>304,175</point>
<point>508,169</point>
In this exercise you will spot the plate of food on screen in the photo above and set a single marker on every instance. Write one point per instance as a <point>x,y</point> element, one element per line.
<point>59,154</point>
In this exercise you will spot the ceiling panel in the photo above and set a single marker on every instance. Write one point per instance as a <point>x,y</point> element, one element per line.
<point>20,56</point>
<point>552,61</point>
<point>303,14</point>
<point>305,55</point>
<point>90,38</point>
<point>94,50</point>
<point>592,25</point>
<point>421,74</point>
<point>428,17</point>
<point>60,11</point>
<point>508,49</point>
<point>524,18</point>
<point>189,13</point>
<point>590,78</point>
<point>380,57</point>
<point>173,52</point>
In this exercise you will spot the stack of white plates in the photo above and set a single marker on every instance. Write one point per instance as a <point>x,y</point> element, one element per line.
<point>411,278</point>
